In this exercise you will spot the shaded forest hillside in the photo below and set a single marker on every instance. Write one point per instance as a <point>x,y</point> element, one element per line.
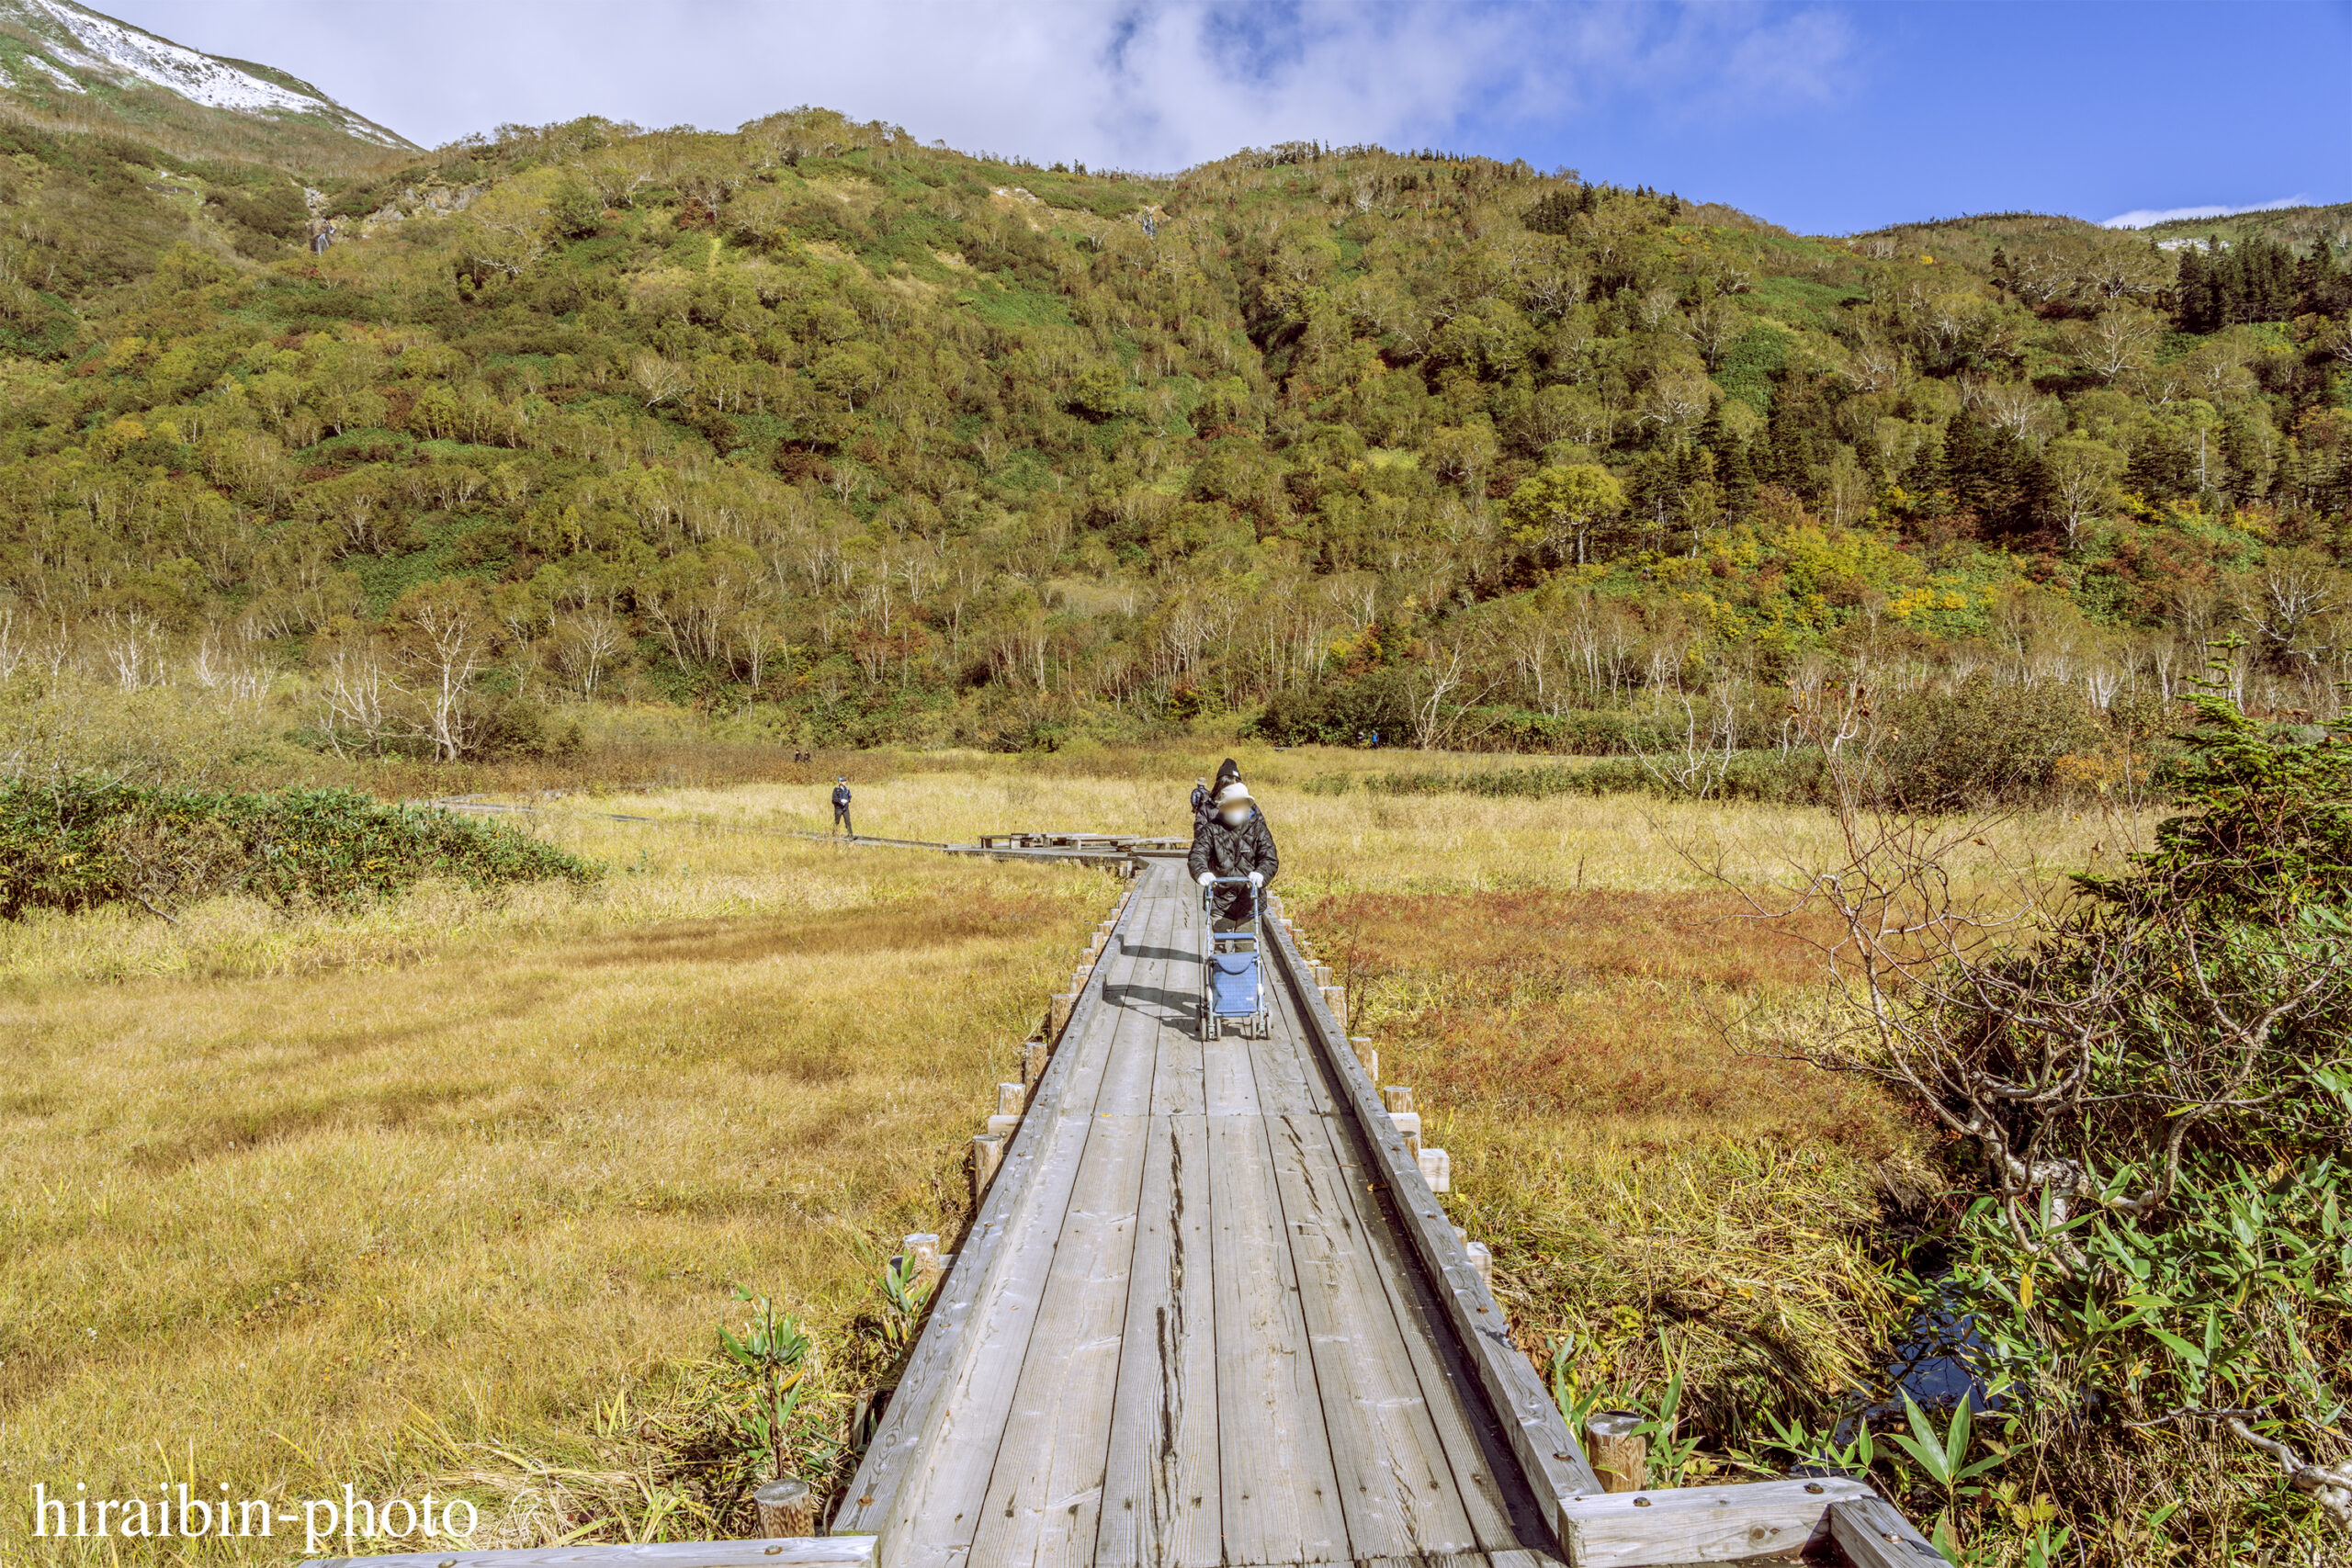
<point>867,441</point>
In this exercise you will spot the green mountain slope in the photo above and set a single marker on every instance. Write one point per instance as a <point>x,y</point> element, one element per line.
<point>869,440</point>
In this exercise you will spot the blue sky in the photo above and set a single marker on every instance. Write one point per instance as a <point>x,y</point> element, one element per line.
<point>1825,117</point>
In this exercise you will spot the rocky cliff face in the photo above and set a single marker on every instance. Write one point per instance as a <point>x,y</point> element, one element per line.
<point>64,64</point>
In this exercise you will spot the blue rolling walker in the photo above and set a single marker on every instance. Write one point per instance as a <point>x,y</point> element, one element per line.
<point>1233,981</point>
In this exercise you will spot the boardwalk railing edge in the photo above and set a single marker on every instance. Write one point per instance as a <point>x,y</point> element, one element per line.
<point>1551,1458</point>
<point>879,1494</point>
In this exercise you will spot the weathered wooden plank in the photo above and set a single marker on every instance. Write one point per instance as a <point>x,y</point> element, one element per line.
<point>882,1488</point>
<point>1502,1514</point>
<point>1047,1485</point>
<point>1550,1463</point>
<point>1703,1524</point>
<point>1290,1083</point>
<point>1434,1559</point>
<point>927,1489</point>
<point>1396,1488</point>
<point>1160,1492</point>
<point>1524,1560</point>
<point>1170,991</point>
<point>1278,1494</point>
<point>1872,1533</point>
<point>789,1551</point>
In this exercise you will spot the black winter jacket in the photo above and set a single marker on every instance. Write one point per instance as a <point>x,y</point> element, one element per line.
<point>1234,852</point>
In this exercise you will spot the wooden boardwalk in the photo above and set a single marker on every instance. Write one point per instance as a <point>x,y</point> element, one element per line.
<point>1191,1328</point>
<point>1210,1315</point>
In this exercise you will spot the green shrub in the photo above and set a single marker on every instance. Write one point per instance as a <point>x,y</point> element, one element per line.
<point>85,843</point>
<point>1986,742</point>
<point>2162,1087</point>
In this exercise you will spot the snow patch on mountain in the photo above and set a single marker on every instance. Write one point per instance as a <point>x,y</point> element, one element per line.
<point>54,75</point>
<point>213,83</point>
<point>83,40</point>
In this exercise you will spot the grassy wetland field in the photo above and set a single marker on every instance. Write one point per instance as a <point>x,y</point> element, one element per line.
<point>455,1189</point>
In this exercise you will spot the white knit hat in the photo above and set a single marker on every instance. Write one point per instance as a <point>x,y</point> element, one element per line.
<point>1236,791</point>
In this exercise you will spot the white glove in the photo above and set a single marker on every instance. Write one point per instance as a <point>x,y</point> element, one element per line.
<point>1207,877</point>
<point>1257,879</point>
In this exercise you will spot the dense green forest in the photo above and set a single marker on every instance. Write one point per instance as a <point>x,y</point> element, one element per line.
<point>865,441</point>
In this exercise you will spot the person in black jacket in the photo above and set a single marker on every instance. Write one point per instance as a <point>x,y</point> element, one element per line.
<point>840,806</point>
<point>1234,842</point>
<point>1201,803</point>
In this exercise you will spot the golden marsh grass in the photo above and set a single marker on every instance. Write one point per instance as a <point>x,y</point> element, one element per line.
<point>455,1187</point>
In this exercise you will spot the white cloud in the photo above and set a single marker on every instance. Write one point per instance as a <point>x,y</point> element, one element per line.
<point>1133,84</point>
<point>2145,216</point>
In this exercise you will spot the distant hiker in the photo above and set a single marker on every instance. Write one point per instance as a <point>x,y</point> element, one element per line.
<point>1201,803</point>
<point>1235,841</point>
<point>840,806</point>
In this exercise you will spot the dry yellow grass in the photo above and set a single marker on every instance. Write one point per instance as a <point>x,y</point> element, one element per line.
<point>290,1229</point>
<point>457,1186</point>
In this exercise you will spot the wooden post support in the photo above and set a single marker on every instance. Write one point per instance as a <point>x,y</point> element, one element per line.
<point>1057,1011</point>
<point>1620,1455</point>
<point>1034,1056</point>
<point>924,1249</point>
<point>1003,1127</point>
<point>1396,1096</point>
<point>1872,1533</point>
<point>1705,1524</point>
<point>1482,1263</point>
<point>1335,999</point>
<point>1322,975</point>
<point>1012,1098</point>
<point>1365,1055</point>
<point>1408,1127</point>
<point>1437,1170</point>
<point>987,1153</point>
<point>787,1507</point>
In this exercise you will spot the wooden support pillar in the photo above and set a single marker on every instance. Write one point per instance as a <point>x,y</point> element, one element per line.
<point>1367,1057</point>
<point>1003,1127</point>
<point>1396,1097</point>
<point>924,1249</point>
<point>787,1508</point>
<point>1034,1056</point>
<point>1620,1455</point>
<point>1012,1098</point>
<point>1057,1011</point>
<point>1408,1127</point>
<point>1872,1533</point>
<point>1335,999</point>
<point>1437,1170</point>
<point>987,1153</point>
<point>1482,1263</point>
